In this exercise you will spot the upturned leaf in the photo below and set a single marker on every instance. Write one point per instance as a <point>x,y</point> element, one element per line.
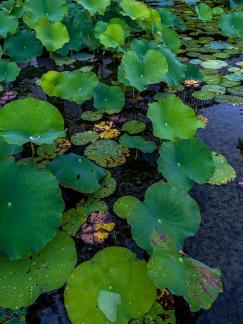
<point>135,9</point>
<point>8,23</point>
<point>95,6</point>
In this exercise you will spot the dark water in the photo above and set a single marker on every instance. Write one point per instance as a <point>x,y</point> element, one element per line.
<point>219,242</point>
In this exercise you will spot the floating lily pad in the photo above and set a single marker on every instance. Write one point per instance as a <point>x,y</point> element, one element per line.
<point>182,275</point>
<point>137,142</point>
<point>133,127</point>
<point>107,153</point>
<point>108,186</point>
<point>172,119</point>
<point>123,205</point>
<point>223,172</point>
<point>28,220</point>
<point>179,162</point>
<point>116,268</point>
<point>76,172</point>
<point>218,89</point>
<point>91,115</point>
<point>214,64</point>
<point>23,281</point>
<point>212,79</point>
<point>30,120</point>
<point>231,100</point>
<point>165,208</point>
<point>84,138</point>
<point>236,91</point>
<point>8,71</point>
<point>204,95</point>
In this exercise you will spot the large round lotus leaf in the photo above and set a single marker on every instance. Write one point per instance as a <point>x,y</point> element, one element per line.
<point>142,71</point>
<point>49,82</point>
<point>111,35</point>
<point>204,12</point>
<point>165,208</point>
<point>8,23</point>
<point>95,6</point>
<point>107,153</point>
<point>133,127</point>
<point>52,35</point>
<point>186,161</point>
<point>22,281</point>
<point>231,24</point>
<point>84,138</point>
<point>109,99</point>
<point>76,172</point>
<point>182,275</point>
<point>8,71</point>
<point>54,10</point>
<point>172,119</point>
<point>137,142</point>
<point>30,120</point>
<point>223,172</point>
<point>214,64</point>
<point>31,209</point>
<point>123,205</point>
<point>23,46</point>
<point>135,9</point>
<point>77,86</point>
<point>8,149</point>
<point>114,271</point>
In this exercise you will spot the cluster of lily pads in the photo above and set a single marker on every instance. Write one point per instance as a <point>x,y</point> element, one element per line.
<point>37,231</point>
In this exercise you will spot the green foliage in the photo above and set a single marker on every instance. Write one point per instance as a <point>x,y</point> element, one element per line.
<point>116,269</point>
<point>110,35</point>
<point>231,24</point>
<point>8,71</point>
<point>135,9</point>
<point>84,138</point>
<point>137,142</point>
<point>133,127</point>
<point>178,162</point>
<point>204,12</point>
<point>182,275</point>
<point>30,120</point>
<point>8,24</point>
<point>172,120</point>
<point>76,172</point>
<point>22,281</point>
<point>165,208</point>
<point>28,220</point>
<point>123,205</point>
<point>8,149</point>
<point>95,6</point>
<point>223,172</point>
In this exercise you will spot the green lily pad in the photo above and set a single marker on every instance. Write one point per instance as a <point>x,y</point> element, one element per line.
<point>49,82</point>
<point>8,149</point>
<point>76,172</point>
<point>23,281</point>
<point>109,99</point>
<point>28,220</point>
<point>172,119</point>
<point>218,89</point>
<point>30,120</point>
<point>237,76</point>
<point>229,84</point>
<point>116,268</point>
<point>95,6</point>
<point>8,24</point>
<point>135,9</point>
<point>106,153</point>
<point>108,303</point>
<point>236,91</point>
<point>212,79</point>
<point>52,35</point>
<point>179,163</point>
<point>84,138</point>
<point>231,24</point>
<point>182,275</point>
<point>142,71</point>
<point>231,100</point>
<point>91,116</point>
<point>204,95</point>
<point>8,71</point>
<point>137,142</point>
<point>165,208</point>
<point>108,186</point>
<point>23,46</point>
<point>214,64</point>
<point>223,172</point>
<point>123,205</point>
<point>133,127</point>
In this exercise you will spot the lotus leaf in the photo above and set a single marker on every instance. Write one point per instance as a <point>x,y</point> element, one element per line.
<point>110,35</point>
<point>133,127</point>
<point>8,23</point>
<point>76,172</point>
<point>172,119</point>
<point>30,200</point>
<point>112,270</point>
<point>23,46</point>
<point>91,116</point>
<point>95,6</point>
<point>231,100</point>
<point>223,172</point>
<point>8,149</point>
<point>204,95</point>
<point>53,10</point>
<point>204,12</point>
<point>84,138</point>
<point>30,120</point>
<point>137,142</point>
<point>109,99</point>
<point>108,303</point>
<point>171,39</point>
<point>8,71</point>
<point>135,9</point>
<point>178,162</point>
<point>106,153</point>
<point>49,82</point>
<point>165,208</point>
<point>22,281</point>
<point>182,275</point>
<point>123,205</point>
<point>142,71</point>
<point>218,89</point>
<point>53,35</point>
<point>236,91</point>
<point>108,186</point>
<point>214,64</point>
<point>123,24</point>
<point>231,24</point>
